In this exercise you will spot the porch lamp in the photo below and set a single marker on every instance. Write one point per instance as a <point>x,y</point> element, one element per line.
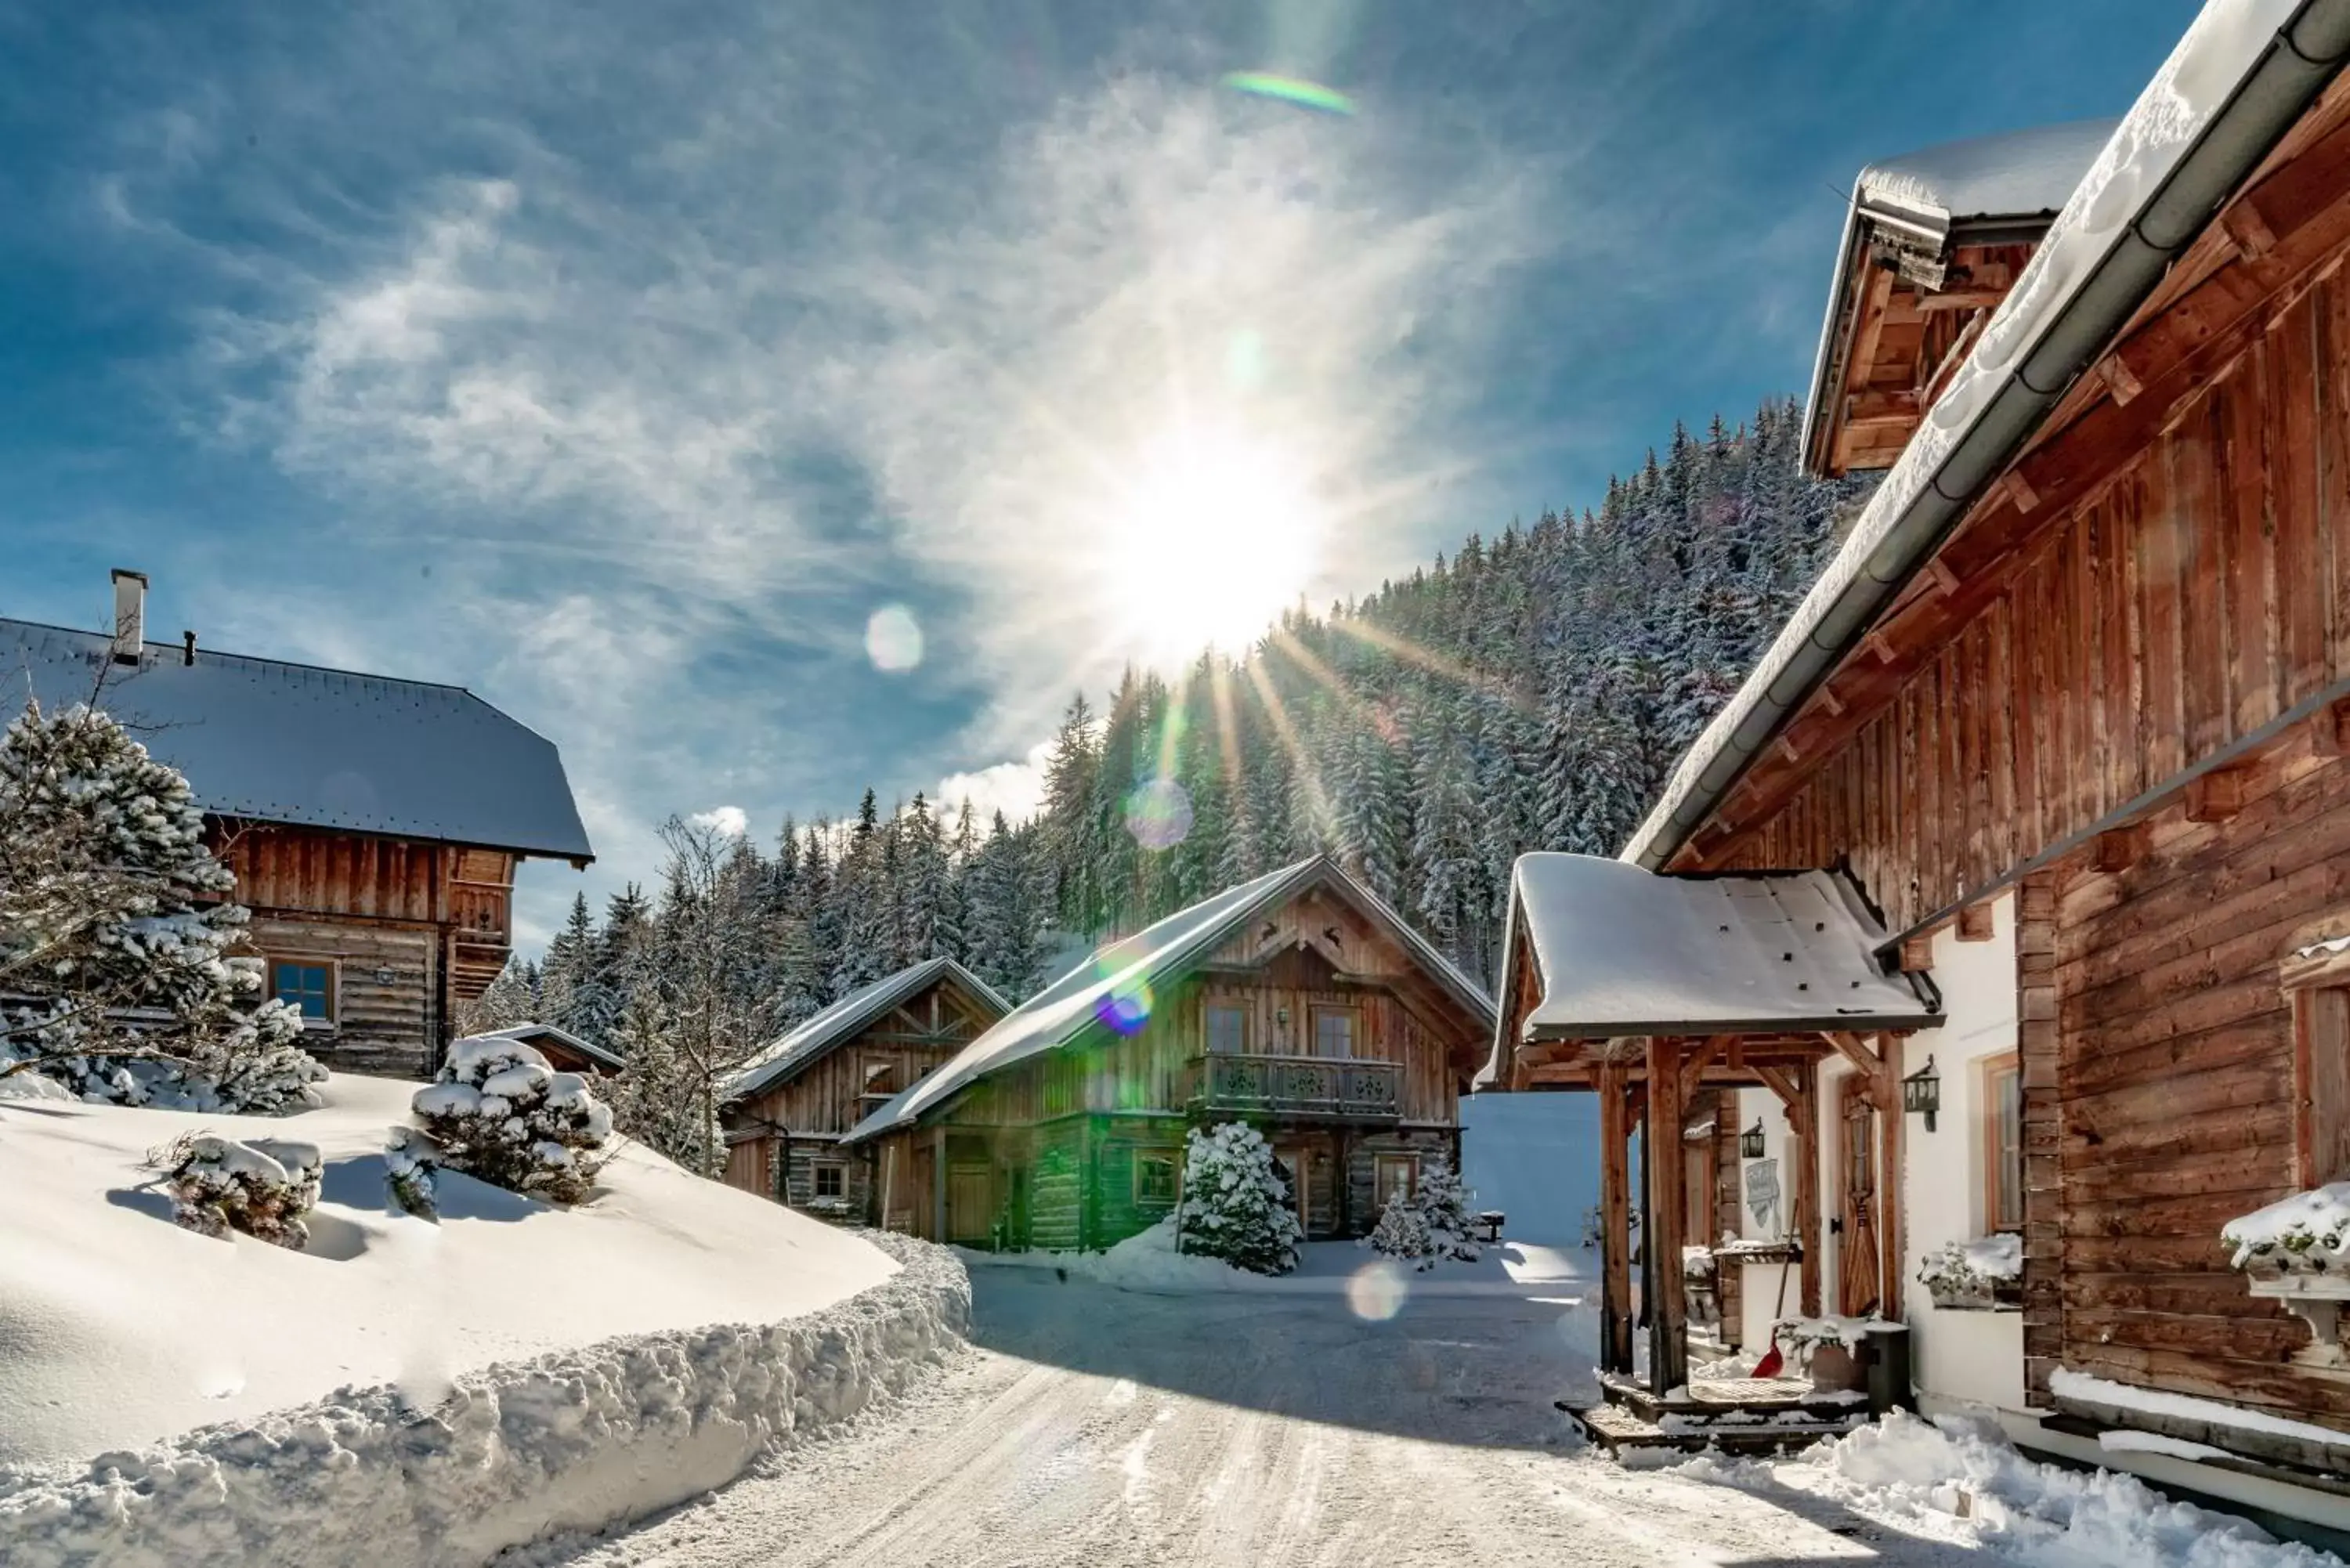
<point>1749,1142</point>
<point>1921,1092</point>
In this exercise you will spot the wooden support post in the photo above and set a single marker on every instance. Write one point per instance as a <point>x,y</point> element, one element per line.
<point>1807,1187</point>
<point>1974,923</point>
<point>1662,1170</point>
<point>1615,1223</point>
<point>2215,796</point>
<point>939,1184</point>
<point>1892,1232</point>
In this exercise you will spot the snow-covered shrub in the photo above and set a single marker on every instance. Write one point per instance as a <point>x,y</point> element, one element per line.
<point>1235,1205</point>
<point>1402,1233</point>
<point>1444,1204</point>
<point>116,929</point>
<point>501,1114</point>
<point>1977,1273</point>
<point>262,1188</point>
<point>410,1161</point>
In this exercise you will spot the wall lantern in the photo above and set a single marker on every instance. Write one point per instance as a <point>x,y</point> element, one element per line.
<point>1921,1092</point>
<point>1749,1142</point>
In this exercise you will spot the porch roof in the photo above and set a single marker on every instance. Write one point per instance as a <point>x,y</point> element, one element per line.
<point>1617,949</point>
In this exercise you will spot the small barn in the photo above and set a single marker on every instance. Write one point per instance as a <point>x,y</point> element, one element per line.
<point>786,1110</point>
<point>1299,1002</point>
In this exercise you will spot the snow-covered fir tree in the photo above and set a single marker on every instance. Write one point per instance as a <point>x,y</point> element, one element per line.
<point>117,928</point>
<point>1236,1203</point>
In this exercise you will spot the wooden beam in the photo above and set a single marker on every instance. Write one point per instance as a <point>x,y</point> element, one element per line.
<point>1831,702</point>
<point>1807,1152</point>
<point>1874,643</point>
<point>2018,489</point>
<point>1961,299</point>
<point>2243,224</point>
<point>2215,796</point>
<point>2329,731</point>
<point>2119,849</point>
<point>1974,923</point>
<point>1662,1168</point>
<point>1853,1049</point>
<point>1944,578</point>
<point>1694,1062</point>
<point>1892,1223</point>
<point>1615,1223</point>
<point>2114,372</point>
<point>1917,953</point>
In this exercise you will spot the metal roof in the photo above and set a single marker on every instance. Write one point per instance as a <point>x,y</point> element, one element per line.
<point>1066,1011</point>
<point>529,1033</point>
<point>274,741</point>
<point>1618,950</point>
<point>813,1036</point>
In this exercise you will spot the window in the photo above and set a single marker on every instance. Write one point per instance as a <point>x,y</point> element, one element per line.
<point>1395,1176</point>
<point>2003,1084</point>
<point>305,986</point>
<point>1227,1028</point>
<point>831,1180</point>
<point>1154,1179</point>
<point>1333,1032</point>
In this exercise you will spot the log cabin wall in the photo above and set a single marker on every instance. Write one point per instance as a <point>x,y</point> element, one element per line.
<point>408,929</point>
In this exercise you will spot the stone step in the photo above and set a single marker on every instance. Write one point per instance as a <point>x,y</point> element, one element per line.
<point>1619,1431</point>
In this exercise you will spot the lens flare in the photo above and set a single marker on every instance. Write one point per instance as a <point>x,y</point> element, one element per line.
<point>1377,1292</point>
<point>1125,1006</point>
<point>1159,814</point>
<point>893,639</point>
<point>1291,90</point>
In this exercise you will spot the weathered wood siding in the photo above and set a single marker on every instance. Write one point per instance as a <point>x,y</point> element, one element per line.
<point>387,989</point>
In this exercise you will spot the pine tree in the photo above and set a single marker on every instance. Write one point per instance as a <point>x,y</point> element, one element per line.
<point>1236,1205</point>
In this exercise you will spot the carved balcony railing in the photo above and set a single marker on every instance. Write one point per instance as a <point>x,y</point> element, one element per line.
<point>1312,1087</point>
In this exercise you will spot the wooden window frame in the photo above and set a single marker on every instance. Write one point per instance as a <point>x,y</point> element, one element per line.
<point>1168,1158</point>
<point>1988,1072</point>
<point>1208,1010</point>
<point>1381,1163</point>
<point>822,1169</point>
<point>334,967</point>
<point>1316,1013</point>
<point>2316,984</point>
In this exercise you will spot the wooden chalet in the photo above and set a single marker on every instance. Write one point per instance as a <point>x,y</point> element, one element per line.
<point>2071,706</point>
<point>1298,1003</point>
<point>786,1110</point>
<point>373,825</point>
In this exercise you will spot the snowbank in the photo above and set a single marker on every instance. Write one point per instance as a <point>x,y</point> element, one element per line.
<point>121,1328</point>
<point>1960,1480</point>
<point>2067,1384</point>
<point>1150,1263</point>
<point>572,1440</point>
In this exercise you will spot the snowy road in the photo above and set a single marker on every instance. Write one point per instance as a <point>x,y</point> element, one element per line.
<point>1095,1426</point>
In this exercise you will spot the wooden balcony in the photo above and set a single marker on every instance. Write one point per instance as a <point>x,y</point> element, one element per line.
<point>1308,1088</point>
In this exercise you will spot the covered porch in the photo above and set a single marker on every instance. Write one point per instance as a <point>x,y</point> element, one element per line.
<point>1654,992</point>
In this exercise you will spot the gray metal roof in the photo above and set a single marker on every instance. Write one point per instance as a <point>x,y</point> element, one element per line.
<point>529,1033</point>
<point>813,1036</point>
<point>1618,950</point>
<point>1068,1008</point>
<point>273,741</point>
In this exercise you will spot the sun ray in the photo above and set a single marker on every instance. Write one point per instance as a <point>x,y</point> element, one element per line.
<point>1228,737</point>
<point>1304,658</point>
<point>1434,663</point>
<point>1309,777</point>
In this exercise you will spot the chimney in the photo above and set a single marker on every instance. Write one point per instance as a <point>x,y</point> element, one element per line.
<point>129,614</point>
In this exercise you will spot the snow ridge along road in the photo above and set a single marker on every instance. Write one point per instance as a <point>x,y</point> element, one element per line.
<point>574,1439</point>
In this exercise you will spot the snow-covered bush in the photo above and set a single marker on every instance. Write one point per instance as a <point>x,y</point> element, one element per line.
<point>1402,1233</point>
<point>1444,1204</point>
<point>410,1162</point>
<point>262,1188</point>
<point>2307,1233</point>
<point>1977,1273</point>
<point>501,1114</point>
<point>1235,1205</point>
<point>115,926</point>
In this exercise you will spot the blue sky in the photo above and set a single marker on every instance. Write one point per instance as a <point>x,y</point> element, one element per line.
<point>624,362</point>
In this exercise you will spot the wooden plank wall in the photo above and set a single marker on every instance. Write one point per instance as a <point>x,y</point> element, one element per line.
<point>381,1025</point>
<point>912,1040</point>
<point>2176,612</point>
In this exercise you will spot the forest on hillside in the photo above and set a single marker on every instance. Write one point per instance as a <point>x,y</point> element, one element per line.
<point>1529,692</point>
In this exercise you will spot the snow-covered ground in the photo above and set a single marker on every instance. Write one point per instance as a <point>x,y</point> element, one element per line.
<point>118,1327</point>
<point>1372,1283</point>
<point>405,1392</point>
<point>1097,1427</point>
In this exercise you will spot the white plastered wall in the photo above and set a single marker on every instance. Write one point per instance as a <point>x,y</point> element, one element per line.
<point>1971,1358</point>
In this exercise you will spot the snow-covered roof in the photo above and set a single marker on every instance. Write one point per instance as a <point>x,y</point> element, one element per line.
<point>531,1033</point>
<point>2016,174</point>
<point>1071,1006</point>
<point>273,741</point>
<point>813,1036</point>
<point>2050,324</point>
<point>1617,951</point>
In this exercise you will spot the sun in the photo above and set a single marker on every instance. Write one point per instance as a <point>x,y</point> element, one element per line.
<point>1216,534</point>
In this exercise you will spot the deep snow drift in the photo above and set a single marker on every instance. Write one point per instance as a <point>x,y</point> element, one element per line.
<point>117,1327</point>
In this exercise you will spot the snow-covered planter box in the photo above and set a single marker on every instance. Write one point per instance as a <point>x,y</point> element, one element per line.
<point>262,1186</point>
<point>2297,1250</point>
<point>1985,1274</point>
<point>574,1440</point>
<point>1696,1265</point>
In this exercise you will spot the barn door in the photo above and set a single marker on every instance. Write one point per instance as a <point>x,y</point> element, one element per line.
<point>968,1216</point>
<point>1856,1271</point>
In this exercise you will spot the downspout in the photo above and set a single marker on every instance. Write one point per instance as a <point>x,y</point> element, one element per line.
<point>2299,61</point>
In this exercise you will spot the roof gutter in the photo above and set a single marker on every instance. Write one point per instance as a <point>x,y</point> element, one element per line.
<point>2298,61</point>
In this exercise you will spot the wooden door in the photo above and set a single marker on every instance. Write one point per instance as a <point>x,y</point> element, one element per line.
<point>1292,1165</point>
<point>1857,1267</point>
<point>969,1216</point>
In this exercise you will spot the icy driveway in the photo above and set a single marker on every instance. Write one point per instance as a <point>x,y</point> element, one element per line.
<point>1097,1427</point>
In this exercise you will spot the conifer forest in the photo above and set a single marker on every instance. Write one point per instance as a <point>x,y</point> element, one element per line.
<point>1527,693</point>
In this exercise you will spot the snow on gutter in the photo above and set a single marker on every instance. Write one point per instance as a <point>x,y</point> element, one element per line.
<point>2245,72</point>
